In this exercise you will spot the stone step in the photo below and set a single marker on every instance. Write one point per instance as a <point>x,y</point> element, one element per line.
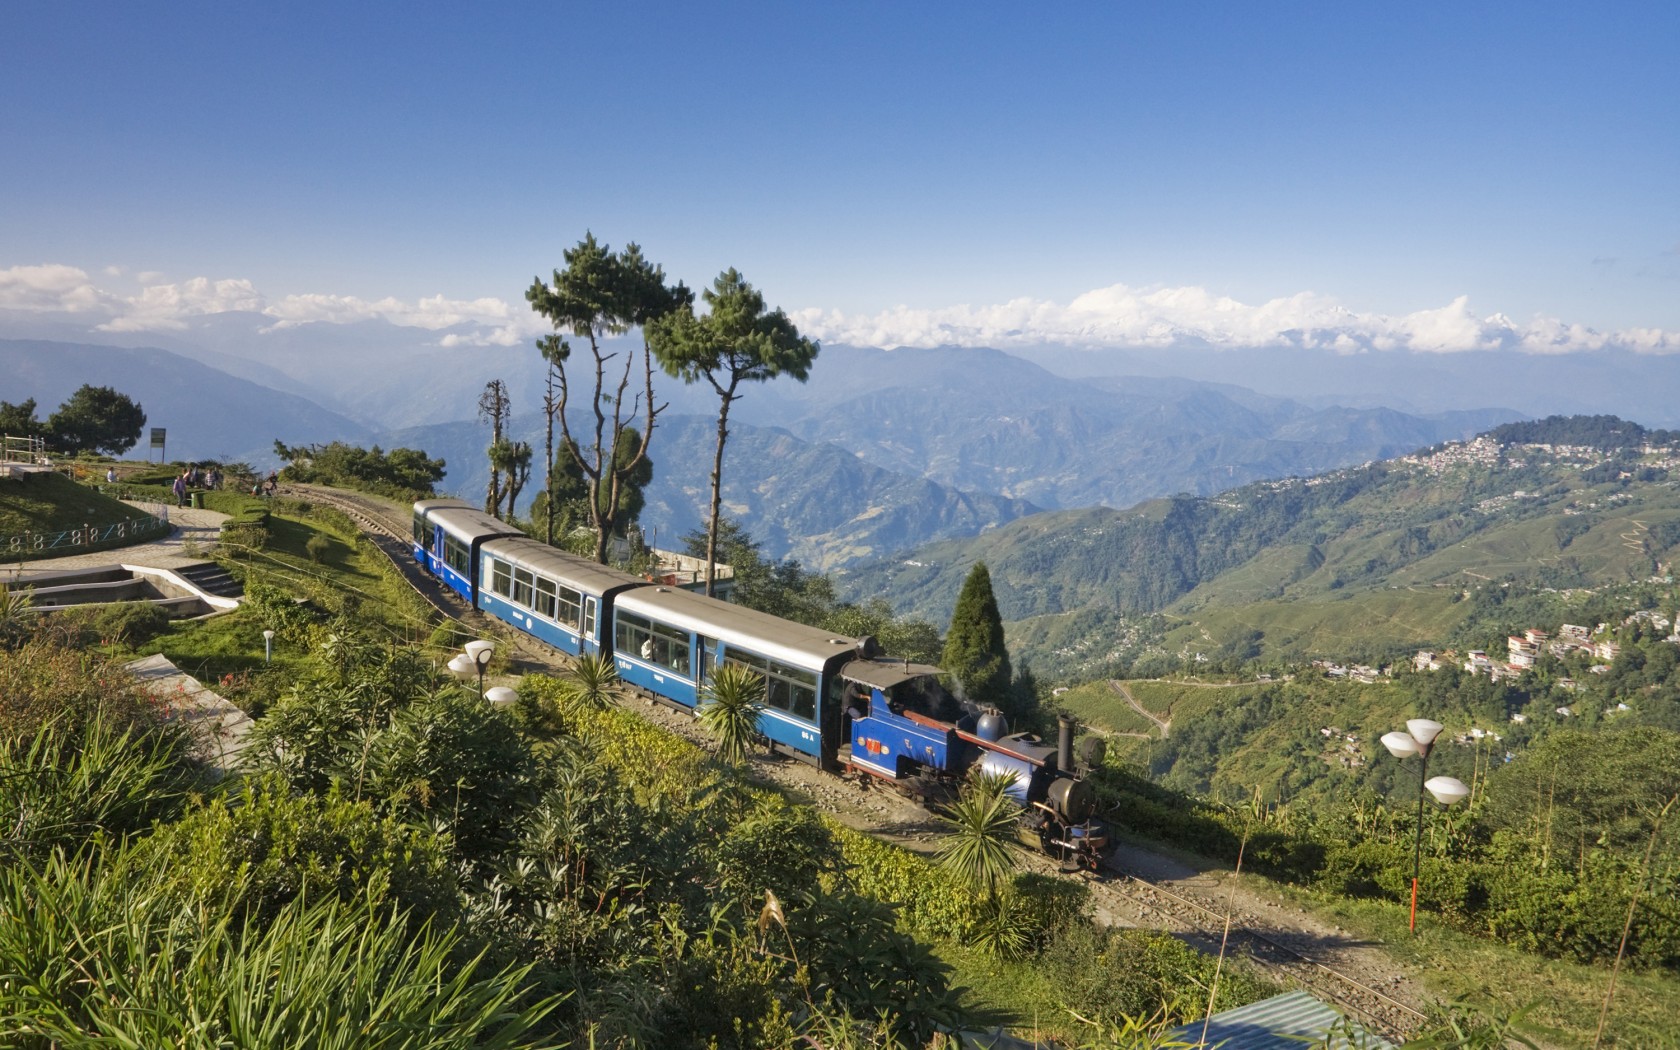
<point>211,579</point>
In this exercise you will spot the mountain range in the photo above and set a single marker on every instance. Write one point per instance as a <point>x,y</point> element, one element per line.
<point>208,413</point>
<point>878,452</point>
<point>1310,566</point>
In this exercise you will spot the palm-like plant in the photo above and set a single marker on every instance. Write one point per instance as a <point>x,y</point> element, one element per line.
<point>590,683</point>
<point>16,607</point>
<point>729,708</point>
<point>980,849</point>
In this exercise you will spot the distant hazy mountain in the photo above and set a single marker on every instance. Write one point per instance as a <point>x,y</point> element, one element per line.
<point>208,413</point>
<point>1635,386</point>
<point>982,420</point>
<point>811,501</point>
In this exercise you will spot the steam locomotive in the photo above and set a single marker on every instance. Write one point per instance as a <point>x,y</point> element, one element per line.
<point>838,703</point>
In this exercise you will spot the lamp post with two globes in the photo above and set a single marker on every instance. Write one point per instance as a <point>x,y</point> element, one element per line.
<point>473,660</point>
<point>1419,739</point>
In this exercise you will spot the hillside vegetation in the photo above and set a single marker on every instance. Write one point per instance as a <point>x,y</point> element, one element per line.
<point>425,871</point>
<point>1375,557</point>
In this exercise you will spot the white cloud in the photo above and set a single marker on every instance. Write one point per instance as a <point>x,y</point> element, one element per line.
<point>51,289</point>
<point>162,306</point>
<point>1116,316</point>
<point>166,307</point>
<point>1123,316</point>
<point>493,321</point>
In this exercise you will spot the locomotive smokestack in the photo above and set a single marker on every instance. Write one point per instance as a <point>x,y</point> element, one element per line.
<point>1064,743</point>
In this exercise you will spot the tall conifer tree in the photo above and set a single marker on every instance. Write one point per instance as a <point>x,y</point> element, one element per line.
<point>974,649</point>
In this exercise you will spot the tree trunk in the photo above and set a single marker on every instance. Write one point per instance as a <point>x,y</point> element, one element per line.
<point>548,457</point>
<point>717,490</point>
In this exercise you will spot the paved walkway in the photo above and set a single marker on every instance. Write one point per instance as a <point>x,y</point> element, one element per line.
<point>193,530</point>
<point>219,726</point>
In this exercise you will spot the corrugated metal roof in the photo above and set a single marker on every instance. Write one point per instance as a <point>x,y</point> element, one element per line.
<point>1283,1022</point>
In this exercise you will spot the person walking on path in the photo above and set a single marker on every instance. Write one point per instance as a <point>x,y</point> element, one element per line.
<point>180,489</point>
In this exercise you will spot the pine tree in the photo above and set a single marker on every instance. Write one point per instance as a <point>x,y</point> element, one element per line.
<point>974,649</point>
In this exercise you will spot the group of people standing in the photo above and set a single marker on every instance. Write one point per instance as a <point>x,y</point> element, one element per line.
<point>190,478</point>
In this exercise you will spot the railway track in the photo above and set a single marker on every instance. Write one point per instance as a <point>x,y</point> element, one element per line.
<point>389,531</point>
<point>1201,920</point>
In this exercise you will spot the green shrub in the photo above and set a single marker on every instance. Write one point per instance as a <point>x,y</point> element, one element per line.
<point>130,623</point>
<point>260,849</point>
<point>51,678</point>
<point>318,548</point>
<point>68,781</point>
<point>95,956</point>
<point>931,902</point>
<point>1108,974</point>
<point>779,847</point>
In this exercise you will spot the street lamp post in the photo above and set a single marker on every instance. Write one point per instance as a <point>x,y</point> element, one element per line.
<point>474,660</point>
<point>268,647</point>
<point>1419,739</point>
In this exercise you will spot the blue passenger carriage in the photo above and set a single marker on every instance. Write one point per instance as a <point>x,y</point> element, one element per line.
<point>553,596</point>
<point>666,641</point>
<point>447,536</point>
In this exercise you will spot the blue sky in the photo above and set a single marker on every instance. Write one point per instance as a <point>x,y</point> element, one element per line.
<point>1474,168</point>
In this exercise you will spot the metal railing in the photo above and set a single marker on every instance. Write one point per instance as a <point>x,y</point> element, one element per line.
<point>22,449</point>
<point>69,541</point>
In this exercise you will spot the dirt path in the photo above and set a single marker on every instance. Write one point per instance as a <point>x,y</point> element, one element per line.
<point>1635,539</point>
<point>1163,724</point>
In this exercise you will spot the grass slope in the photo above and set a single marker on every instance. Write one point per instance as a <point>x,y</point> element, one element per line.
<point>52,503</point>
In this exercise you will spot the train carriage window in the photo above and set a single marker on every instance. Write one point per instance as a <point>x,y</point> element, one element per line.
<point>522,587</point>
<point>657,643</point>
<point>455,553</point>
<point>630,632</point>
<point>589,617</point>
<point>544,601</point>
<point>570,604</point>
<point>786,688</point>
<point>671,649</point>
<point>501,578</point>
<point>420,529</point>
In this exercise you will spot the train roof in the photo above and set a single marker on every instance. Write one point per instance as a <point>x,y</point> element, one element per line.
<point>422,506</point>
<point>468,523</point>
<point>883,674</point>
<point>581,573</point>
<point>771,636</point>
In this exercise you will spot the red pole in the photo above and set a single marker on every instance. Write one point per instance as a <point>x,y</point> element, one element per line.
<point>1413,926</point>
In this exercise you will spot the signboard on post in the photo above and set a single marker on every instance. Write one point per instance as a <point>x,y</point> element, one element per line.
<point>157,442</point>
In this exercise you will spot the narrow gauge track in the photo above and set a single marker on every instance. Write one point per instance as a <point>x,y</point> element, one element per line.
<point>1201,919</point>
<point>1205,923</point>
<point>389,531</point>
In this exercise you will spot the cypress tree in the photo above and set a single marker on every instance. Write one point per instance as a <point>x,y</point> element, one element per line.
<point>974,649</point>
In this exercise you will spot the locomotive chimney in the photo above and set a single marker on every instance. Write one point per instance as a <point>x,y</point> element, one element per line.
<point>1064,743</point>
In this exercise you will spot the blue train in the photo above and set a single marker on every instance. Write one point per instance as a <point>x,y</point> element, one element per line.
<point>835,702</point>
